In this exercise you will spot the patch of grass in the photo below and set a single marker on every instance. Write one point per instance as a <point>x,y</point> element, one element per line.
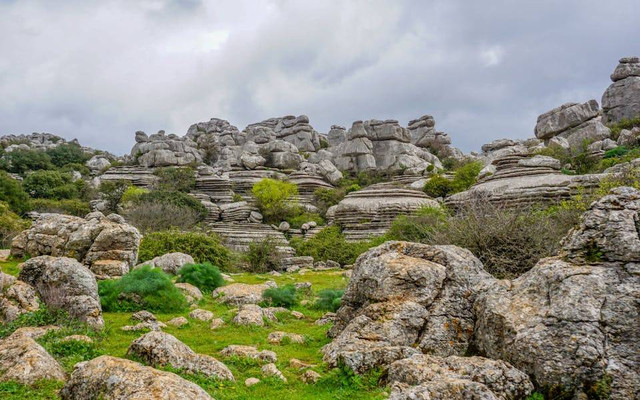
<point>70,352</point>
<point>41,390</point>
<point>284,296</point>
<point>40,317</point>
<point>201,246</point>
<point>329,300</point>
<point>11,266</point>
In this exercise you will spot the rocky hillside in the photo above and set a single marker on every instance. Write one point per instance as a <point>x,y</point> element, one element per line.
<point>377,261</point>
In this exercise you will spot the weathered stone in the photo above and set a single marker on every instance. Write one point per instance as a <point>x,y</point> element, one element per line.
<point>564,117</point>
<point>202,315</point>
<point>621,100</point>
<point>249,352</point>
<point>252,314</point>
<point>178,322</point>
<point>240,293</point>
<point>63,283</point>
<point>216,323</point>
<point>169,263</point>
<point>24,361</point>
<point>111,378</point>
<point>190,292</point>
<point>16,298</point>
<point>277,337</point>
<point>270,370</point>
<point>251,381</point>
<point>310,377</point>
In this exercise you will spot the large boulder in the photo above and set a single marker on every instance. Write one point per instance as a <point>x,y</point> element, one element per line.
<point>161,349</point>
<point>162,150</point>
<point>64,283</point>
<point>16,298</point>
<point>108,246</point>
<point>564,117</point>
<point>573,321</point>
<point>621,100</point>
<point>404,299</point>
<point>111,378</point>
<point>24,361</point>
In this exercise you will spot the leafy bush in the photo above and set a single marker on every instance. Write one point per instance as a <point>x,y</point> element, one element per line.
<point>438,186</point>
<point>50,185</point>
<point>175,179</point>
<point>154,217</point>
<point>10,225</point>
<point>132,194</point>
<point>325,198</point>
<point>76,207</point>
<point>204,276</point>
<point>275,198</point>
<point>178,199</point>
<point>616,152</point>
<point>20,161</point>
<point>12,193</point>
<point>143,288</point>
<point>330,244</point>
<point>263,256</point>
<point>284,296</point>
<point>69,168</point>
<point>202,247</point>
<point>67,153</point>
<point>463,178</point>
<point>418,227</point>
<point>112,192</point>
<point>579,158</point>
<point>329,300</point>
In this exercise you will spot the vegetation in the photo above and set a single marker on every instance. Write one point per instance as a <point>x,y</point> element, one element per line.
<point>51,185</point>
<point>112,192</point>
<point>329,300</point>
<point>76,207</point>
<point>330,244</point>
<point>284,296</point>
<point>624,124</point>
<point>10,225</point>
<point>67,153</point>
<point>262,255</point>
<point>275,199</point>
<point>143,288</point>
<point>463,178</point>
<point>325,198</point>
<point>175,179</point>
<point>19,161</point>
<point>12,193</point>
<point>177,199</point>
<point>204,276</point>
<point>202,247</point>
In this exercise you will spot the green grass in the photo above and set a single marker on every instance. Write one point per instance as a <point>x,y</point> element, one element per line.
<point>10,267</point>
<point>334,384</point>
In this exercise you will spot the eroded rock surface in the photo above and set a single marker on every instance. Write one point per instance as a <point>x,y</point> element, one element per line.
<point>238,294</point>
<point>25,361</point>
<point>16,297</point>
<point>621,100</point>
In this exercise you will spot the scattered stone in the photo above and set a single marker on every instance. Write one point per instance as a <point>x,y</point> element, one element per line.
<point>327,318</point>
<point>169,263</point>
<point>249,352</point>
<point>16,298</point>
<point>310,377</point>
<point>238,294</point>
<point>142,326</point>
<point>216,323</point>
<point>77,338</point>
<point>202,315</point>
<point>277,337</point>
<point>178,322</point>
<point>144,316</point>
<point>251,381</point>
<point>161,349</point>
<point>297,364</point>
<point>251,314</point>
<point>297,315</point>
<point>190,292</point>
<point>24,361</point>
<point>271,370</point>
<point>112,378</point>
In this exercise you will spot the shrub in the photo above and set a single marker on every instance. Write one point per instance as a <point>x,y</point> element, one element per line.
<point>284,296</point>
<point>296,221</point>
<point>175,179</point>
<point>132,194</point>
<point>76,207</point>
<point>153,217</point>
<point>325,198</point>
<point>418,227</point>
<point>466,175</point>
<point>10,225</point>
<point>616,152</point>
<point>143,288</point>
<point>75,167</point>
<point>12,193</point>
<point>623,124</point>
<point>329,300</point>
<point>202,247</point>
<point>177,199</point>
<point>263,256</point>
<point>112,192</point>
<point>67,153</point>
<point>204,276</point>
<point>20,161</point>
<point>50,185</point>
<point>275,198</point>
<point>330,244</point>
<point>579,158</point>
<point>438,186</point>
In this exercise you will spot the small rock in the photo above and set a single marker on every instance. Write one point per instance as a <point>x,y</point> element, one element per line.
<point>202,315</point>
<point>190,292</point>
<point>178,322</point>
<point>310,377</point>
<point>297,364</point>
<point>278,336</point>
<point>216,323</point>
<point>297,314</point>
<point>327,318</point>
<point>251,381</point>
<point>284,226</point>
<point>303,286</point>
<point>332,264</point>
<point>150,325</point>
<point>272,370</point>
<point>144,316</point>
<point>77,338</point>
<point>249,352</point>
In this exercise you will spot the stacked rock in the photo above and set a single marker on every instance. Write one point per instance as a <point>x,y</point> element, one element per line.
<point>136,175</point>
<point>424,135</point>
<point>621,100</point>
<point>162,150</point>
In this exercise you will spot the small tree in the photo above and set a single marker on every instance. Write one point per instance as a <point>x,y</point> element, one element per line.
<point>112,192</point>
<point>275,198</point>
<point>67,153</point>
<point>13,194</point>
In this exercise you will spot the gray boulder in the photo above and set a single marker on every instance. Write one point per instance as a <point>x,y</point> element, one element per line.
<point>621,100</point>
<point>169,263</point>
<point>564,117</point>
<point>24,361</point>
<point>16,298</point>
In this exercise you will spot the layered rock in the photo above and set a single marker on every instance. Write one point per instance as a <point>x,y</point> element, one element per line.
<point>370,212</point>
<point>424,134</point>
<point>160,349</point>
<point>112,378</point>
<point>107,245</point>
<point>135,175</point>
<point>621,100</point>
<point>578,123</point>
<point>291,129</point>
<point>63,283</point>
<point>162,150</point>
<point>404,299</point>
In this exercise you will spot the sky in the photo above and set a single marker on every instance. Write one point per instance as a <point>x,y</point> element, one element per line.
<point>100,70</point>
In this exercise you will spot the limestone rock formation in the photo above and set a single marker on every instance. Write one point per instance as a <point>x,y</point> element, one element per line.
<point>160,349</point>
<point>108,246</point>
<point>577,123</point>
<point>65,284</point>
<point>370,212</point>
<point>16,297</point>
<point>238,294</point>
<point>169,263</point>
<point>403,299</point>
<point>111,378</point>
<point>162,150</point>
<point>24,361</point>
<point>424,134</point>
<point>621,100</point>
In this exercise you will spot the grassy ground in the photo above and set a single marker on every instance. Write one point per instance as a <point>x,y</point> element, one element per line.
<point>334,384</point>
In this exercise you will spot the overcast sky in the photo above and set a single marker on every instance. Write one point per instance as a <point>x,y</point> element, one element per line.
<point>100,70</point>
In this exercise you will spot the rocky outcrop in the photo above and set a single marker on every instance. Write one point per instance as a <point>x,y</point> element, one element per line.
<point>63,283</point>
<point>370,212</point>
<point>24,361</point>
<point>577,123</point>
<point>424,135</point>
<point>107,245</point>
<point>572,321</point>
<point>135,175</point>
<point>111,378</point>
<point>16,298</point>
<point>160,349</point>
<point>621,100</point>
<point>162,150</point>
<point>404,299</point>
<point>456,378</point>
<point>522,180</point>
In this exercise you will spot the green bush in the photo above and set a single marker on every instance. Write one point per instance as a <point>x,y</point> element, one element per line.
<point>10,225</point>
<point>616,152</point>
<point>76,207</point>
<point>156,216</point>
<point>623,124</point>
<point>51,185</point>
<point>263,256</point>
<point>12,193</point>
<point>466,175</point>
<point>112,192</point>
<point>330,244</point>
<point>204,276</point>
<point>275,198</point>
<point>202,247</point>
<point>284,296</point>
<point>75,167</point>
<point>143,288</point>
<point>175,179</point>
<point>579,158</point>
<point>329,300</point>
<point>325,198</point>
<point>178,199</point>
<point>132,194</point>
<point>418,227</point>
<point>20,161</point>
<point>438,186</point>
<point>67,153</point>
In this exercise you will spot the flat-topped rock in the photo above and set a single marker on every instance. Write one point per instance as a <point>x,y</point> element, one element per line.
<point>564,117</point>
<point>136,175</point>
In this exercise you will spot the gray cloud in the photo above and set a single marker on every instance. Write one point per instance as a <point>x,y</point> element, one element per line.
<point>100,70</point>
